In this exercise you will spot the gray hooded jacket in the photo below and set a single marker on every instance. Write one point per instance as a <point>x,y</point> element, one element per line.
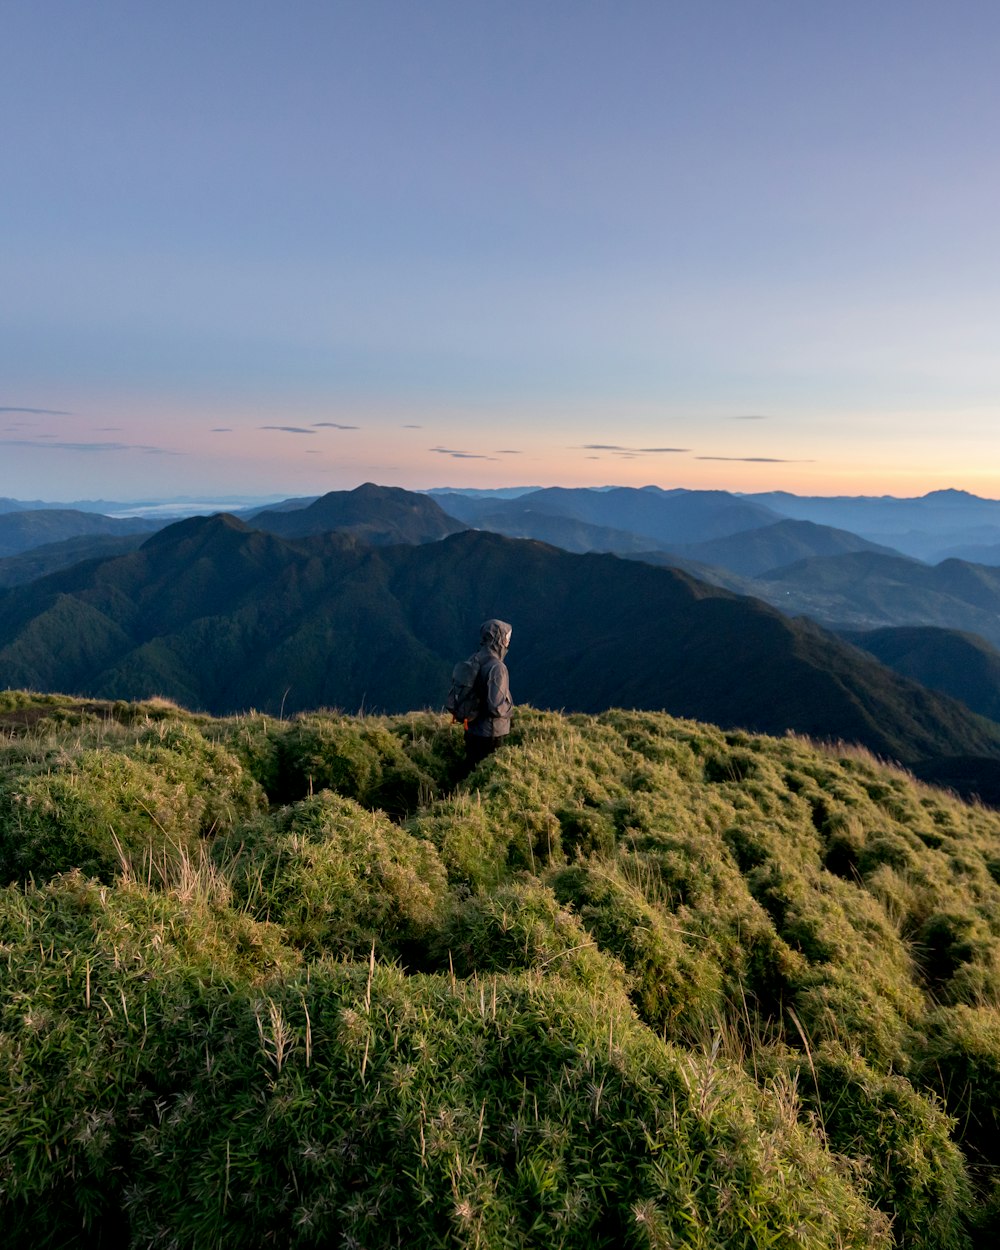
<point>494,719</point>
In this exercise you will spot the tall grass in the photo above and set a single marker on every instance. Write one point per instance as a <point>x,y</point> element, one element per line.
<point>634,981</point>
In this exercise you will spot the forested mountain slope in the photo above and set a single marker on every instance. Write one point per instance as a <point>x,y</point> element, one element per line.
<point>51,557</point>
<point>868,591</point>
<point>21,531</point>
<point>961,665</point>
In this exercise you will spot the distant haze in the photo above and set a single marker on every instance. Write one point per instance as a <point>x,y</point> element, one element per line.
<point>253,250</point>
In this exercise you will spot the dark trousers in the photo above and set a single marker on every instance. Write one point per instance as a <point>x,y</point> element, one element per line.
<point>477,748</point>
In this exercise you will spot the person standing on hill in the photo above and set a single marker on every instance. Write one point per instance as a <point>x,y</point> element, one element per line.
<point>480,693</point>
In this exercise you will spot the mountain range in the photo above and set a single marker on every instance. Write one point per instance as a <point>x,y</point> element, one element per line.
<point>836,576</point>
<point>302,602</point>
<point>665,517</point>
<point>220,616</point>
<point>942,524</point>
<point>930,527</point>
<point>753,552</point>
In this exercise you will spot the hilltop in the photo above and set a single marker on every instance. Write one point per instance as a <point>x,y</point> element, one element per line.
<point>379,515</point>
<point>635,981</point>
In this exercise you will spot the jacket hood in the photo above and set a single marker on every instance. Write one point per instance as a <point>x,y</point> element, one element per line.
<point>495,635</point>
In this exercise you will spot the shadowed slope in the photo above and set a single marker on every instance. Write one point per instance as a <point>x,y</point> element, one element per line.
<point>957,664</point>
<point>21,531</point>
<point>51,557</point>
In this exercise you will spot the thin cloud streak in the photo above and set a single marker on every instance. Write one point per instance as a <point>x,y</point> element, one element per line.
<point>332,425</point>
<point>755,459</point>
<point>635,451</point>
<point>40,412</point>
<point>459,455</point>
<point>286,429</point>
<point>87,447</point>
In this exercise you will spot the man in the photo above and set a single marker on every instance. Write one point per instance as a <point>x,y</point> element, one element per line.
<point>491,724</point>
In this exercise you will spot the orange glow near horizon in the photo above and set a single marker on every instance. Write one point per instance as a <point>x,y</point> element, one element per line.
<point>231,448</point>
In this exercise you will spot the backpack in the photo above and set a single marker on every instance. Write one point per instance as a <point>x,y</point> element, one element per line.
<point>464,697</point>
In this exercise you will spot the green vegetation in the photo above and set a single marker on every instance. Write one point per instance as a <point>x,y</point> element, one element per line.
<point>633,982</point>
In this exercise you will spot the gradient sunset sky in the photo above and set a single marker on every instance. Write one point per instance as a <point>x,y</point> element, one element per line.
<point>250,248</point>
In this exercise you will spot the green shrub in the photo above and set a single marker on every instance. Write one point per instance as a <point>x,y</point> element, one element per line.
<point>102,989</point>
<point>218,792</point>
<point>960,1061</point>
<point>197,1050</point>
<point>946,942</point>
<point>361,759</point>
<point>97,808</point>
<point>900,1142</point>
<point>521,927</point>
<point>336,878</point>
<point>673,986</point>
<point>473,853</point>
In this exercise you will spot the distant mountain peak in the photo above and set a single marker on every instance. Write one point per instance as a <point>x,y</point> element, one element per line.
<point>378,515</point>
<point>198,526</point>
<point>373,490</point>
<point>951,495</point>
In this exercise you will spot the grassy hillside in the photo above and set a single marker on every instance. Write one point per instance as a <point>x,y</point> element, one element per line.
<point>634,982</point>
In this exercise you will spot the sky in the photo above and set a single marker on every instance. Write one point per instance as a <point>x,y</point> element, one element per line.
<point>261,249</point>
